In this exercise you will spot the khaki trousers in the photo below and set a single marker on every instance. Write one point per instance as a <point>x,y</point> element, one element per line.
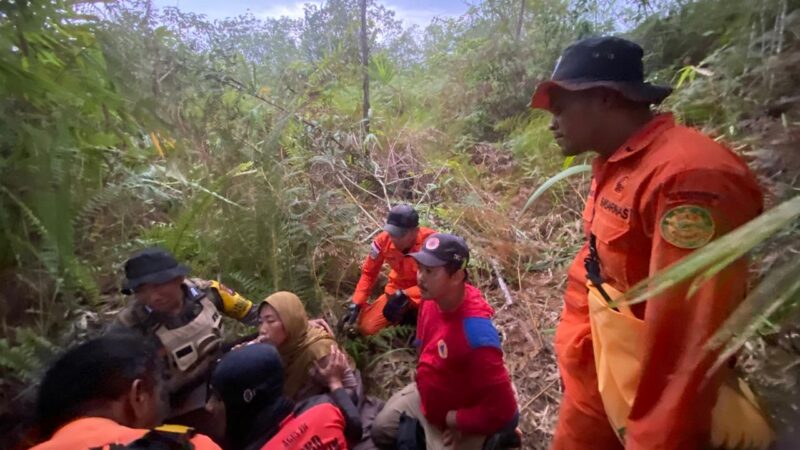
<point>384,429</point>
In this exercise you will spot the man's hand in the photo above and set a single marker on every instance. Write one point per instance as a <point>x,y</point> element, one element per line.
<point>321,323</point>
<point>448,437</point>
<point>396,306</point>
<point>333,372</point>
<point>451,435</point>
<point>450,420</point>
<point>257,340</point>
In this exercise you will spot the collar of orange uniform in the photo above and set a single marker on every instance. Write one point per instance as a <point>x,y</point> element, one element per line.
<point>81,424</point>
<point>417,243</point>
<point>644,137</point>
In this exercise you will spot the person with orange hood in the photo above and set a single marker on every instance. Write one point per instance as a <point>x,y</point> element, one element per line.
<point>659,191</point>
<point>106,393</point>
<point>402,235</point>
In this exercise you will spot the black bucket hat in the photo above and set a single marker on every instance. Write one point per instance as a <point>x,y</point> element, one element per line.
<point>151,266</point>
<point>609,62</point>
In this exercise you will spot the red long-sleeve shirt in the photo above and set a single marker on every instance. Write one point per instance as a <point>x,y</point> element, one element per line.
<point>461,366</point>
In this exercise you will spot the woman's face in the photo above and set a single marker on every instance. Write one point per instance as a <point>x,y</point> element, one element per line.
<point>271,330</point>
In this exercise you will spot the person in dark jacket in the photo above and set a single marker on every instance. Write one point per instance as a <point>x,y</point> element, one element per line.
<point>247,385</point>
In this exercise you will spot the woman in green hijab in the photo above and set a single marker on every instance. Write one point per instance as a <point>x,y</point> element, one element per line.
<point>284,324</point>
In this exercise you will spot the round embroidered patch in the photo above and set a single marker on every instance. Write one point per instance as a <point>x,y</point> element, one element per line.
<point>432,243</point>
<point>442,347</point>
<point>687,226</point>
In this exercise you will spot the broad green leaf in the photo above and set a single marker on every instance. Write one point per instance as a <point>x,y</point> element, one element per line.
<point>552,181</point>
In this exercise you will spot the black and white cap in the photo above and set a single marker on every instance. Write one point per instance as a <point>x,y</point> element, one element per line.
<point>441,249</point>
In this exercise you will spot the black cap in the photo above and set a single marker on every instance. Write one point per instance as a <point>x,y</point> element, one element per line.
<point>401,219</point>
<point>252,374</point>
<point>151,266</point>
<point>441,249</point>
<point>610,62</point>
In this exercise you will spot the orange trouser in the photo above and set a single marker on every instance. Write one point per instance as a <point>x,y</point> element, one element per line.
<point>371,319</point>
<point>582,422</point>
<point>579,430</point>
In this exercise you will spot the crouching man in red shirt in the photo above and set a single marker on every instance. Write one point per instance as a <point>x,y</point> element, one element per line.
<point>463,392</point>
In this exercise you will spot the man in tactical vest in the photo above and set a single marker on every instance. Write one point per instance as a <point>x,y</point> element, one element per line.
<point>185,315</point>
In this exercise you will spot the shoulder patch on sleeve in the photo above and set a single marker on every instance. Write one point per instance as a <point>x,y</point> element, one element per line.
<point>481,332</point>
<point>687,226</point>
<point>374,250</point>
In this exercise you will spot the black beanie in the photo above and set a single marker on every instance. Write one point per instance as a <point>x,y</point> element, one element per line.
<point>250,382</point>
<point>249,376</point>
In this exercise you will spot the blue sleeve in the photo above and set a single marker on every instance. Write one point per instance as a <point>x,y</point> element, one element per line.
<point>481,332</point>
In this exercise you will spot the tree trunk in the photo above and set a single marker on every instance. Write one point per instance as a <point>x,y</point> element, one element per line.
<point>521,18</point>
<point>365,66</point>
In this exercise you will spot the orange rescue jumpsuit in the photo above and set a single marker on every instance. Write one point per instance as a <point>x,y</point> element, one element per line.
<point>403,275</point>
<point>651,203</point>
<point>99,432</point>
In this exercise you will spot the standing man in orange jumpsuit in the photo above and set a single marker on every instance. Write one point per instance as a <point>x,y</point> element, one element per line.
<point>402,235</point>
<point>659,191</point>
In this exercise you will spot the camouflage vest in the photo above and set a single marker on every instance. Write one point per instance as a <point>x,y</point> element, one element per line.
<point>188,344</point>
<point>191,343</point>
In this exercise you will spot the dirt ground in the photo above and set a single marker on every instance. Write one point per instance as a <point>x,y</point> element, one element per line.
<point>526,326</point>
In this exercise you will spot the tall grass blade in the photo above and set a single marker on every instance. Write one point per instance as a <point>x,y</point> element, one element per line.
<point>575,170</point>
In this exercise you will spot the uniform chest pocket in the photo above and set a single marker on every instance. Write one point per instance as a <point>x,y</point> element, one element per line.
<point>613,245</point>
<point>610,230</point>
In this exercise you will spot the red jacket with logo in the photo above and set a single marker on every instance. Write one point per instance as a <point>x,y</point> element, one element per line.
<point>461,366</point>
<point>323,422</point>
<point>320,427</point>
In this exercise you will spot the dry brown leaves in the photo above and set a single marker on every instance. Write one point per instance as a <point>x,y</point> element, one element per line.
<point>527,341</point>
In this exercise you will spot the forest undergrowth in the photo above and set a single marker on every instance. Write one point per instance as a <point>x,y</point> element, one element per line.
<point>241,145</point>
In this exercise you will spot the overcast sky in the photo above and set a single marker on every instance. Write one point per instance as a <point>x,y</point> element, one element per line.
<point>410,11</point>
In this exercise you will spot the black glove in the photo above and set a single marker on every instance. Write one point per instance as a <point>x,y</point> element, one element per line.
<point>347,324</point>
<point>395,307</point>
<point>503,440</point>
<point>506,438</point>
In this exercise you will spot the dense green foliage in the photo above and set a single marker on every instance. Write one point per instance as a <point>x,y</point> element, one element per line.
<point>238,143</point>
